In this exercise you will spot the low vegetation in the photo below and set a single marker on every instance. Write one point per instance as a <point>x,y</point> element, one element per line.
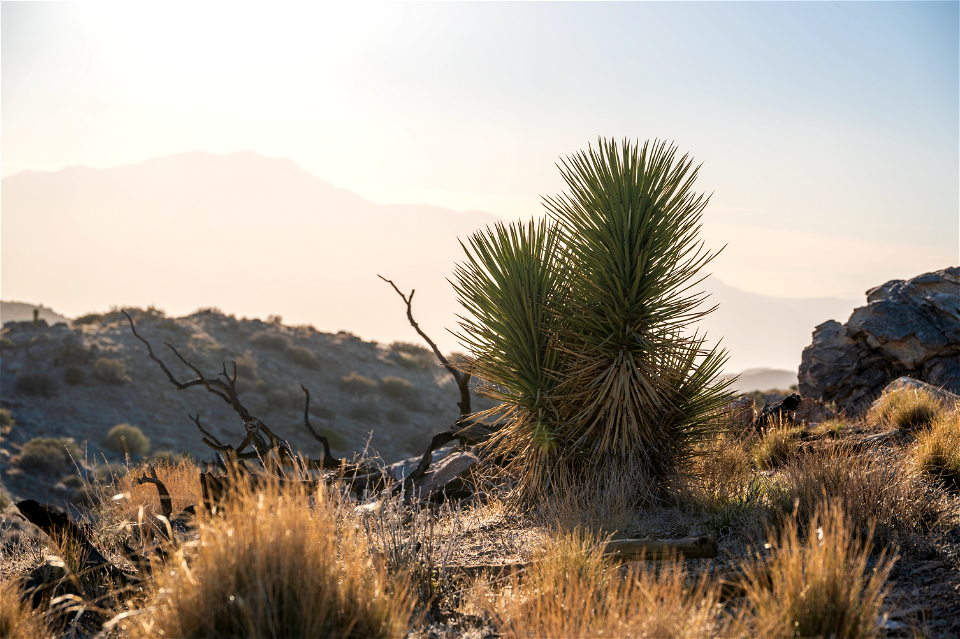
<point>111,371</point>
<point>124,438</point>
<point>906,408</point>
<point>357,384</point>
<point>270,339</point>
<point>49,454</point>
<point>937,451</point>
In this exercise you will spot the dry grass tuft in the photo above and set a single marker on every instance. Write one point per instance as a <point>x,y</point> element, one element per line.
<point>820,587</point>
<point>937,451</point>
<point>869,486</point>
<point>17,619</point>
<point>906,408</point>
<point>574,593</point>
<point>272,566</point>
<point>778,446</point>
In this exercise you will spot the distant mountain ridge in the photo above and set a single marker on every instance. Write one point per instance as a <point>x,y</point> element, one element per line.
<point>260,236</point>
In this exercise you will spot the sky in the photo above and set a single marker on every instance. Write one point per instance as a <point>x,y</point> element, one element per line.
<point>828,132</point>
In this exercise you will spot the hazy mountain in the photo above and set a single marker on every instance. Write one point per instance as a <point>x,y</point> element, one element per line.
<point>257,236</point>
<point>762,379</point>
<point>22,312</point>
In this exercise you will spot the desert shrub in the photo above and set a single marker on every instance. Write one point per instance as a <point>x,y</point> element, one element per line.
<point>411,362</point>
<point>411,349</point>
<point>777,446</point>
<point>35,384</point>
<point>397,387</point>
<point>49,454</point>
<point>357,384</point>
<point>820,587</point>
<point>937,451</point>
<point>721,482</point>
<point>6,421</point>
<point>111,371</point>
<point>270,339</point>
<point>577,323</point>
<point>91,318</point>
<point>303,356</point>
<point>869,488</point>
<point>74,376</point>
<point>6,344</point>
<point>245,577</point>
<point>906,408</point>
<point>246,367</point>
<point>110,474</point>
<point>574,593</point>
<point>137,442</point>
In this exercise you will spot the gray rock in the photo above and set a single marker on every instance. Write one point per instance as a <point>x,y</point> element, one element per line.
<point>907,329</point>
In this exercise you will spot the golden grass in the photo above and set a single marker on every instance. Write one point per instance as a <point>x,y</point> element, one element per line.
<point>870,488</point>
<point>17,619</point>
<point>937,451</point>
<point>831,428</point>
<point>573,592</point>
<point>272,566</point>
<point>818,587</point>
<point>778,446</point>
<point>906,408</point>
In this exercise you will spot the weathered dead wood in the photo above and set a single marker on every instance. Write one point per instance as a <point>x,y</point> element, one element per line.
<point>619,550</point>
<point>462,379</point>
<point>166,504</point>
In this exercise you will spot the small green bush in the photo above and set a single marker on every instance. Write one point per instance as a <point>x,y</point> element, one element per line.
<point>74,376</point>
<point>357,384</point>
<point>137,442</point>
<point>49,454</point>
<point>410,349</point>
<point>304,357</point>
<point>111,371</point>
<point>397,387</point>
<point>6,344</point>
<point>35,384</point>
<point>92,318</point>
<point>270,339</point>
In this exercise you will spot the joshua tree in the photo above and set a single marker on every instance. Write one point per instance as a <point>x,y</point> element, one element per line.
<point>581,323</point>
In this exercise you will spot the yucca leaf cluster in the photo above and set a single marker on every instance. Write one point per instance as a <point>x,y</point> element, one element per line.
<point>581,323</point>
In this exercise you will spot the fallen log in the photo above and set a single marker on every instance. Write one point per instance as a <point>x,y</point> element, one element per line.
<point>619,550</point>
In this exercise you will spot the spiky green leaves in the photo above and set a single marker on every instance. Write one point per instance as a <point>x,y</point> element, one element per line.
<point>581,324</point>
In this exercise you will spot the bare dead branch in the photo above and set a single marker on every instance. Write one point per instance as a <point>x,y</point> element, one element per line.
<point>462,379</point>
<point>166,504</point>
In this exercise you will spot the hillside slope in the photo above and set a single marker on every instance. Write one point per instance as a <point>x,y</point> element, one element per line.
<point>396,418</point>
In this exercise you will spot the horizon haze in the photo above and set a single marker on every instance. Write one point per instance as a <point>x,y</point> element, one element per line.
<point>256,236</point>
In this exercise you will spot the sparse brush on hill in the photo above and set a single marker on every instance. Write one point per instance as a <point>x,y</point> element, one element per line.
<point>136,442</point>
<point>357,384</point>
<point>270,339</point>
<point>578,322</point>
<point>111,371</point>
<point>303,356</point>
<point>49,454</point>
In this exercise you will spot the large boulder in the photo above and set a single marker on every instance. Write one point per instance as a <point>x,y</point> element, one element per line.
<point>907,329</point>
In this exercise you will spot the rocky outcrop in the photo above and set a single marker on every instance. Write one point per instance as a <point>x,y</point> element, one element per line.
<point>907,329</point>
